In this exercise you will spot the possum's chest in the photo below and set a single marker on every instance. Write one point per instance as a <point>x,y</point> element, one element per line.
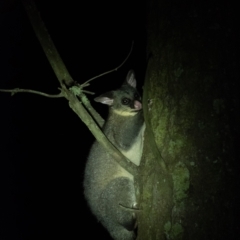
<point>134,153</point>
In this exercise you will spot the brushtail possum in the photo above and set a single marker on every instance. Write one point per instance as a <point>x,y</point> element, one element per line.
<point>109,188</point>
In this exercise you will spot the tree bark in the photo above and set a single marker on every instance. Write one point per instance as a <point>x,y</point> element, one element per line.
<point>188,175</point>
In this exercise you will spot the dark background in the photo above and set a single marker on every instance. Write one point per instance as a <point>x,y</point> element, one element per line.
<point>43,144</point>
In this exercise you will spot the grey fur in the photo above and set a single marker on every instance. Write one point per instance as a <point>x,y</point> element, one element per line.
<point>108,187</point>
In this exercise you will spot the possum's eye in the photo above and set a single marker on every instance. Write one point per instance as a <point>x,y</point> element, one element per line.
<point>126,101</point>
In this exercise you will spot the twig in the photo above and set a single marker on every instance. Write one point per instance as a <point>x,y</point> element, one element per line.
<point>115,69</point>
<point>17,90</point>
<point>88,92</point>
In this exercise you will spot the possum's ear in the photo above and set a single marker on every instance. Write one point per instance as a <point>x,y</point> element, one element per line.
<point>106,98</point>
<point>131,79</point>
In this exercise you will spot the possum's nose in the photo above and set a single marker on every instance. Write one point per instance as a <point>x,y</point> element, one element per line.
<point>137,105</point>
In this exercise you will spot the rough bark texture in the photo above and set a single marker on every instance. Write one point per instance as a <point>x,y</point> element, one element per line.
<point>192,115</point>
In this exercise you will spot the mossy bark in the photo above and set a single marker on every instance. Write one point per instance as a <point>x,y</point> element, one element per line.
<point>188,173</point>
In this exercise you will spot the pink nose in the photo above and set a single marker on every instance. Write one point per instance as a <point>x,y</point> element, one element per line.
<point>137,105</point>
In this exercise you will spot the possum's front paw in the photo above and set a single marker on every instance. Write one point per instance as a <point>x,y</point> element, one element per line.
<point>135,206</point>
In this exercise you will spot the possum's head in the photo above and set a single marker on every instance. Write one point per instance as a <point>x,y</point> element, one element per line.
<point>124,101</point>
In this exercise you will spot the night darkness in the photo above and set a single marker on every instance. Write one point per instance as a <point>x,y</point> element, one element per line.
<point>44,144</point>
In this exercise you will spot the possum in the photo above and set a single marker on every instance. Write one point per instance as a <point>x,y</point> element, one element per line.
<point>109,188</point>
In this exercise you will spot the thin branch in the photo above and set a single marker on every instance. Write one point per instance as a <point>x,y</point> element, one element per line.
<point>65,78</point>
<point>46,42</point>
<point>115,69</point>
<point>88,92</point>
<point>98,119</point>
<point>17,90</point>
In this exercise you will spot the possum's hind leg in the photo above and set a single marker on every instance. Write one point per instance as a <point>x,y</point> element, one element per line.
<point>119,199</point>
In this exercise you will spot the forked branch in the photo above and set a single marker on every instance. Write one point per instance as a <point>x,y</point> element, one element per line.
<point>66,81</point>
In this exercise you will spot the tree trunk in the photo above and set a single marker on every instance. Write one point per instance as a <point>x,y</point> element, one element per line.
<point>188,185</point>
